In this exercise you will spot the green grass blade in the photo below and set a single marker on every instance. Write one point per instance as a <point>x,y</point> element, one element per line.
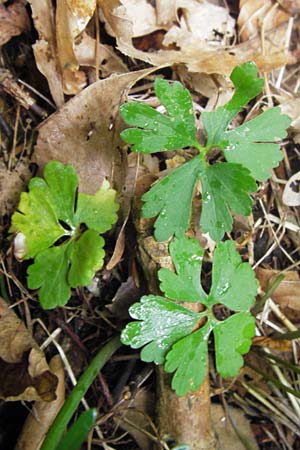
<point>55,433</point>
<point>76,435</point>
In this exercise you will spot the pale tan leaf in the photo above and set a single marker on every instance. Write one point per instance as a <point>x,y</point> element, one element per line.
<point>45,50</point>
<point>259,17</point>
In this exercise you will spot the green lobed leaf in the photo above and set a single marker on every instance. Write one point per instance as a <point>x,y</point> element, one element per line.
<point>61,184</point>
<point>49,274</point>
<point>47,213</point>
<point>98,211</point>
<point>159,132</point>
<point>225,187</point>
<point>185,284</point>
<point>86,256</point>
<point>233,281</point>
<point>173,335</point>
<point>251,143</point>
<point>247,86</point>
<point>188,358</point>
<point>35,215</point>
<point>168,195</point>
<point>233,339</point>
<point>161,323</point>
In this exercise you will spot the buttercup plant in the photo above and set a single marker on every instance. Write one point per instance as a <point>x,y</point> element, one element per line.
<point>52,210</point>
<point>169,333</point>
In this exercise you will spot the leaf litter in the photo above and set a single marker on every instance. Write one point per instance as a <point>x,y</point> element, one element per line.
<point>73,54</point>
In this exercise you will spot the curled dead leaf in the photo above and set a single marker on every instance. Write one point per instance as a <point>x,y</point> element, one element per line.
<point>24,372</point>
<point>43,413</point>
<point>45,49</point>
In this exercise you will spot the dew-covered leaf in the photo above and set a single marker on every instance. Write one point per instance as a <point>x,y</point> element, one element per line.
<point>252,144</point>
<point>161,323</point>
<point>185,285</point>
<point>156,131</point>
<point>188,357</point>
<point>168,195</point>
<point>225,187</point>
<point>178,336</point>
<point>247,86</point>
<point>233,339</point>
<point>233,281</point>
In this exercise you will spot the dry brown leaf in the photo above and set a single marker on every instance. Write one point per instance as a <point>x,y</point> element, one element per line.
<point>281,345</point>
<point>287,294</point>
<point>43,414</point>
<point>45,50</point>
<point>72,17</point>
<point>14,20</point>
<point>212,57</point>
<point>292,6</point>
<point>85,133</point>
<point>24,372</point>
<point>257,16</point>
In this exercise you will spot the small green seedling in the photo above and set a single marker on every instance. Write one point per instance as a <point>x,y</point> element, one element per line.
<point>249,150</point>
<point>51,210</point>
<point>178,337</point>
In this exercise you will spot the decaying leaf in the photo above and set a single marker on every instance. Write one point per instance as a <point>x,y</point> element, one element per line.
<point>43,413</point>
<point>24,372</point>
<point>287,294</point>
<point>208,54</point>
<point>14,20</point>
<point>281,345</point>
<point>85,133</point>
<point>258,15</point>
<point>45,49</point>
<point>71,19</point>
